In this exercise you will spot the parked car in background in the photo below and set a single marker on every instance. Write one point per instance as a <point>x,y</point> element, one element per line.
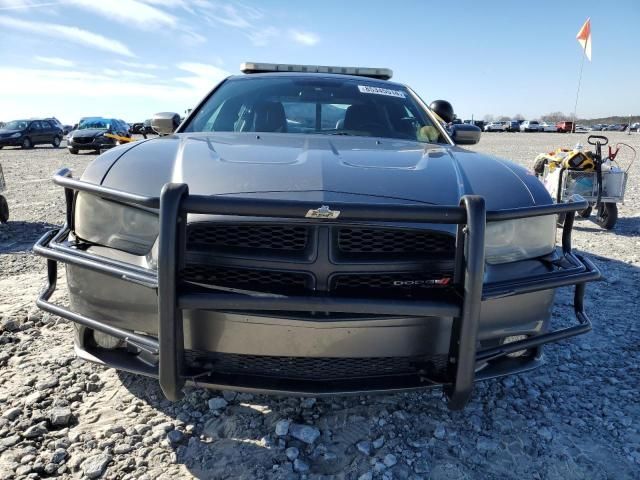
<point>530,126</point>
<point>495,127</point>
<point>31,132</point>
<point>581,129</point>
<point>513,126</point>
<point>548,127</point>
<point>564,127</point>
<point>90,134</point>
<point>635,127</point>
<point>136,128</point>
<point>618,127</point>
<point>55,122</point>
<point>125,125</point>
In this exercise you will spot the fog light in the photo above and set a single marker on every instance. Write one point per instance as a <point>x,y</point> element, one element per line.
<point>105,340</point>
<point>515,338</point>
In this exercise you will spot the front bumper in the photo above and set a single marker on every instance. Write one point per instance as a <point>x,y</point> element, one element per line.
<point>94,144</point>
<point>11,142</point>
<point>177,306</point>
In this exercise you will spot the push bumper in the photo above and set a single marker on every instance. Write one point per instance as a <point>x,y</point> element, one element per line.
<point>175,204</point>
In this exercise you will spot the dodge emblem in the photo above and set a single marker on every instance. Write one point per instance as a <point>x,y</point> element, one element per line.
<point>323,212</point>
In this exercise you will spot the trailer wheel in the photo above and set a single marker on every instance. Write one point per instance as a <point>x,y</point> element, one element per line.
<point>607,215</point>
<point>4,210</point>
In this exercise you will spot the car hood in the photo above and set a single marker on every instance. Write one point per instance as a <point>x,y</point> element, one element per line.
<point>316,168</point>
<point>88,132</point>
<point>4,131</point>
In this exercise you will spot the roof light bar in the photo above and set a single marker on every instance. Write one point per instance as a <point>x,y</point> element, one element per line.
<point>254,67</point>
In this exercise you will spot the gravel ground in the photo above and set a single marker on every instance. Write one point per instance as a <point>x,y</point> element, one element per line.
<point>574,418</point>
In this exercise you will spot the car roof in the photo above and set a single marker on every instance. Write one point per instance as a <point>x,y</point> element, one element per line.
<point>329,76</point>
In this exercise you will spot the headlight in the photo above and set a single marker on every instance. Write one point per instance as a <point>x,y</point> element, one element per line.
<point>115,225</point>
<point>16,135</point>
<point>513,240</point>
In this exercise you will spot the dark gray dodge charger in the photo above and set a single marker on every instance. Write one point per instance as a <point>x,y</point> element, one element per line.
<point>313,230</point>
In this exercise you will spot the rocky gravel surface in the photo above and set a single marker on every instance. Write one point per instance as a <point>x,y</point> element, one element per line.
<point>576,417</point>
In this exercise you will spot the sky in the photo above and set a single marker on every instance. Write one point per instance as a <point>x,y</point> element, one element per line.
<point>131,58</point>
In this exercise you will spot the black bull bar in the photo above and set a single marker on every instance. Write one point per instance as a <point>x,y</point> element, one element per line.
<point>175,203</point>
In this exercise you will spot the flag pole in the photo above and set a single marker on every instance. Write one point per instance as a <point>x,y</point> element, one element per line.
<point>575,106</point>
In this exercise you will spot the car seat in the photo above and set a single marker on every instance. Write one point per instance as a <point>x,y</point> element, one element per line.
<point>269,117</point>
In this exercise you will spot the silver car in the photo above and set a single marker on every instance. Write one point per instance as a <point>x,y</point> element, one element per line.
<point>312,230</point>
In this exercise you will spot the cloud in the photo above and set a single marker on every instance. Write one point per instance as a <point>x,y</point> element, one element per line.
<point>204,76</point>
<point>184,4</point>
<point>190,38</point>
<point>57,61</point>
<point>237,16</point>
<point>23,4</point>
<point>262,37</point>
<point>71,34</point>
<point>129,12</point>
<point>244,18</point>
<point>127,73</point>
<point>142,66</point>
<point>304,38</point>
<point>75,83</point>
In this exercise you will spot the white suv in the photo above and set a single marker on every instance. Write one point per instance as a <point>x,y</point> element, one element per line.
<point>548,127</point>
<point>495,127</point>
<point>530,126</point>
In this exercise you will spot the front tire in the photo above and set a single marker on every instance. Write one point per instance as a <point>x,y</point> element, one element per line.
<point>27,143</point>
<point>4,210</point>
<point>56,142</point>
<point>73,151</point>
<point>607,215</point>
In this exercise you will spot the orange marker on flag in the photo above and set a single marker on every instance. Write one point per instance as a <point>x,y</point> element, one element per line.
<point>584,38</point>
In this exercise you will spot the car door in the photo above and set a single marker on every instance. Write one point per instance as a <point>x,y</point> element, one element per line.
<point>48,131</point>
<point>36,133</point>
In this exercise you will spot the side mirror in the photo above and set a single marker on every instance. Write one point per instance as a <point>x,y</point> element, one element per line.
<point>165,123</point>
<point>465,134</point>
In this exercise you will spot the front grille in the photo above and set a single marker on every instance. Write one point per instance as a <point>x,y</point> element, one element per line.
<point>248,279</point>
<point>83,139</point>
<point>377,241</point>
<point>317,368</point>
<point>233,236</point>
<point>269,257</point>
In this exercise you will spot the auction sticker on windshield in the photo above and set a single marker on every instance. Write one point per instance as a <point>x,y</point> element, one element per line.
<point>381,91</point>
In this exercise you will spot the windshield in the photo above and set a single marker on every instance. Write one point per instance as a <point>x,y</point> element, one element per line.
<point>94,123</point>
<point>17,125</point>
<point>314,105</point>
